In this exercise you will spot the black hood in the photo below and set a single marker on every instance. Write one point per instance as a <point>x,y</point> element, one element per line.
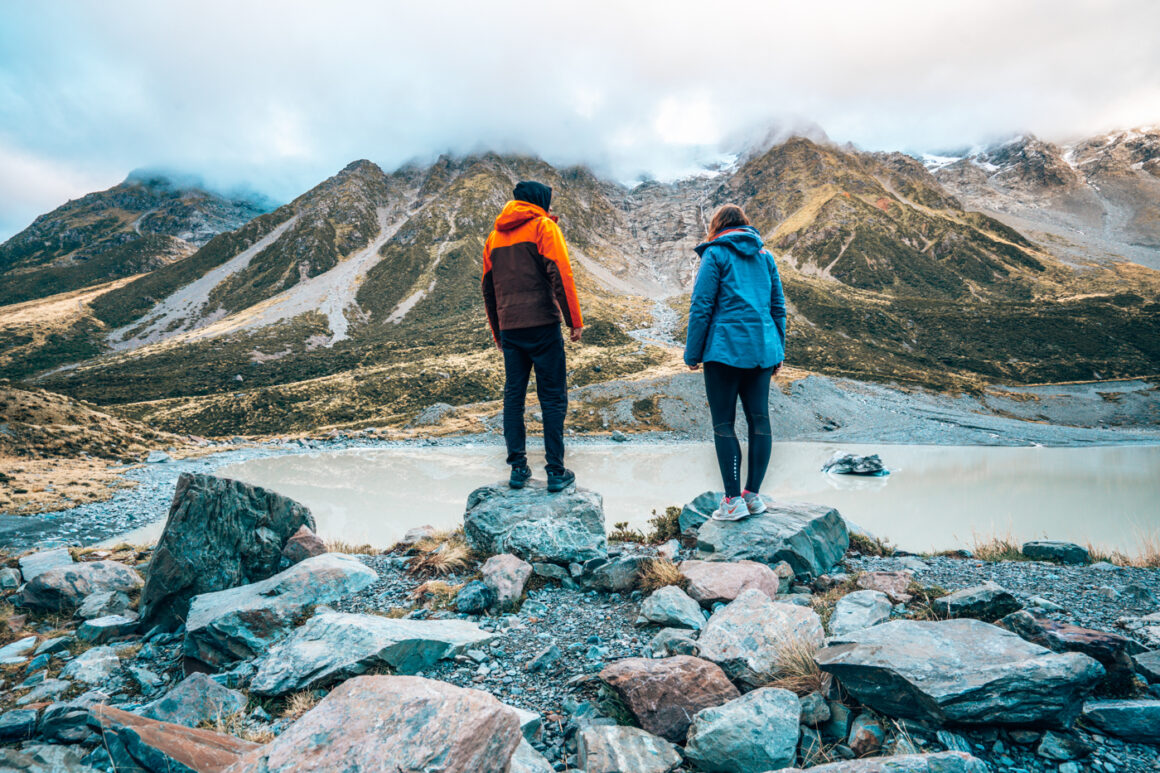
<point>534,193</point>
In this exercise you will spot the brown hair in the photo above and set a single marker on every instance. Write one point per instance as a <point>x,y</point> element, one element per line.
<point>727,216</point>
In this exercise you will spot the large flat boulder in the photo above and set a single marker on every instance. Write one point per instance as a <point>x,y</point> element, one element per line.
<point>68,585</point>
<point>963,671</point>
<point>240,623</point>
<point>939,762</point>
<point>385,724</point>
<point>746,637</point>
<point>714,581</point>
<point>535,525</point>
<point>220,533</point>
<point>335,645</point>
<point>135,743</point>
<point>754,733</point>
<point>664,694</point>
<point>810,538</point>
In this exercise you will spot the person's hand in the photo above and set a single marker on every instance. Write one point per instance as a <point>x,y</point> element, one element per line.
<point>695,367</point>
<point>574,334</point>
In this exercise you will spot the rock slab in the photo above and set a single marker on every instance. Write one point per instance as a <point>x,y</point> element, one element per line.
<point>220,534</point>
<point>962,671</point>
<point>671,606</point>
<point>613,749</point>
<point>664,694</point>
<point>1110,649</point>
<point>68,585</point>
<point>535,525</point>
<point>810,538</point>
<point>714,581</point>
<point>135,742</point>
<point>1132,720</point>
<point>754,733</point>
<point>240,623</point>
<point>376,724</point>
<point>335,645</point>
<point>941,762</point>
<point>746,637</point>
<point>987,602</point>
<point>858,610</point>
<point>35,564</point>
<point>195,699</point>
<point>1057,551</point>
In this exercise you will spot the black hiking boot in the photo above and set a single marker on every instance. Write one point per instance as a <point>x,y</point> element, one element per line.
<point>520,476</point>
<point>558,481</point>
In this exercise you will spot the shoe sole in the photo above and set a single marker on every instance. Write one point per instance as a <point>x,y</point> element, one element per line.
<point>521,484</point>
<point>555,488</point>
<point>741,517</point>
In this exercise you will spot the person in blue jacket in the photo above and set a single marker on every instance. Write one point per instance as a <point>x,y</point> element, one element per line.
<point>737,331</point>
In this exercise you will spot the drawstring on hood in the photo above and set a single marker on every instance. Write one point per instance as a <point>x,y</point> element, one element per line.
<point>743,240</point>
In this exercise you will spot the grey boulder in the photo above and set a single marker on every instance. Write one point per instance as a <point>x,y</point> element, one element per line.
<point>613,575</point>
<point>747,636</point>
<point>1057,551</point>
<point>987,602</point>
<point>810,538</point>
<point>673,641</point>
<point>962,671</point>
<point>671,606</point>
<point>858,610</point>
<point>506,575</point>
<point>68,585</point>
<point>104,629</point>
<point>756,732</point>
<point>1131,720</point>
<point>194,700</point>
<point>526,759</point>
<point>332,646</point>
<point>240,623</point>
<point>614,748</point>
<point>103,604</point>
<point>35,564</point>
<point>940,762</point>
<point>219,534</point>
<point>561,528</point>
<point>17,724</point>
<point>93,666</point>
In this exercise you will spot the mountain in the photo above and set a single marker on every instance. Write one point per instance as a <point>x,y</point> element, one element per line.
<point>145,222</point>
<point>359,301</point>
<point>1095,197</point>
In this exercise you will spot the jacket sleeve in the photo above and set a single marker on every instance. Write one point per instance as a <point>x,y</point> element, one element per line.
<point>489,292</point>
<point>777,302</point>
<point>701,308</point>
<point>550,243</point>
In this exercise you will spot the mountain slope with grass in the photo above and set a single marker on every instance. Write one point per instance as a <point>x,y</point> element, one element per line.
<point>361,297</point>
<point>144,223</point>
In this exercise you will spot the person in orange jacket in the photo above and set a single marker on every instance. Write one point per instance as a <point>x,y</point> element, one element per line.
<point>528,291</point>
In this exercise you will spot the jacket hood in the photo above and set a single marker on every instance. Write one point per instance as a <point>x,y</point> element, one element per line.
<point>744,240</point>
<point>516,213</point>
<point>534,193</point>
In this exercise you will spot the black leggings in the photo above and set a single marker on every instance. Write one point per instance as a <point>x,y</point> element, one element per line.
<point>723,385</point>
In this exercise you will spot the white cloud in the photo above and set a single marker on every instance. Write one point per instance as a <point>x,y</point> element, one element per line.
<point>281,94</point>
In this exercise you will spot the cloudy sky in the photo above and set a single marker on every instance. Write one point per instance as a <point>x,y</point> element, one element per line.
<point>278,95</point>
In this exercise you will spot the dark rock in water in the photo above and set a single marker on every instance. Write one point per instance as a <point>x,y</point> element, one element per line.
<point>136,743</point>
<point>1131,720</point>
<point>664,694</point>
<point>475,598</point>
<point>220,533</point>
<point>1111,650</point>
<point>1059,552</point>
<point>850,464</point>
<point>196,699</point>
<point>69,585</point>
<point>962,671</point>
<point>987,602</point>
<point>561,528</point>
<point>240,623</point>
<point>395,723</point>
<point>18,724</point>
<point>810,538</point>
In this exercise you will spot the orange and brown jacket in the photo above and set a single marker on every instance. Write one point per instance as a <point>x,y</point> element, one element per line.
<point>527,278</point>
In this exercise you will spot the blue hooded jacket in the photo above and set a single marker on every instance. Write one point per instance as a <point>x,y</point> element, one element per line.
<point>737,314</point>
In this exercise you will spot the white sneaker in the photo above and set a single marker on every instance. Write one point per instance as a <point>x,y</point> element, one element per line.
<point>755,503</point>
<point>731,510</point>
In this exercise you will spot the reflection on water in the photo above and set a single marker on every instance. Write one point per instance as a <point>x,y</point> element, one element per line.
<point>937,497</point>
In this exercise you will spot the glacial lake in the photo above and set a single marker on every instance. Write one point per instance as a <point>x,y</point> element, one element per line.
<point>937,497</point>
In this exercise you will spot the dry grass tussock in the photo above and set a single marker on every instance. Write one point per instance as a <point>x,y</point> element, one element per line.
<point>797,671</point>
<point>1147,555</point>
<point>922,606</point>
<point>823,603</point>
<point>665,526</point>
<point>235,725</point>
<point>658,573</point>
<point>436,594</point>
<point>342,546</point>
<point>299,703</point>
<point>870,546</point>
<point>997,547</point>
<point>439,555</point>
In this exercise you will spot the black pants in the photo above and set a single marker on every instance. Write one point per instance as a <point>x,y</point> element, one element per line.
<point>542,348</point>
<point>723,385</point>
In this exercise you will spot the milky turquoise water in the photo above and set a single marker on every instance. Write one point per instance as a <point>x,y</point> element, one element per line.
<point>937,497</point>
